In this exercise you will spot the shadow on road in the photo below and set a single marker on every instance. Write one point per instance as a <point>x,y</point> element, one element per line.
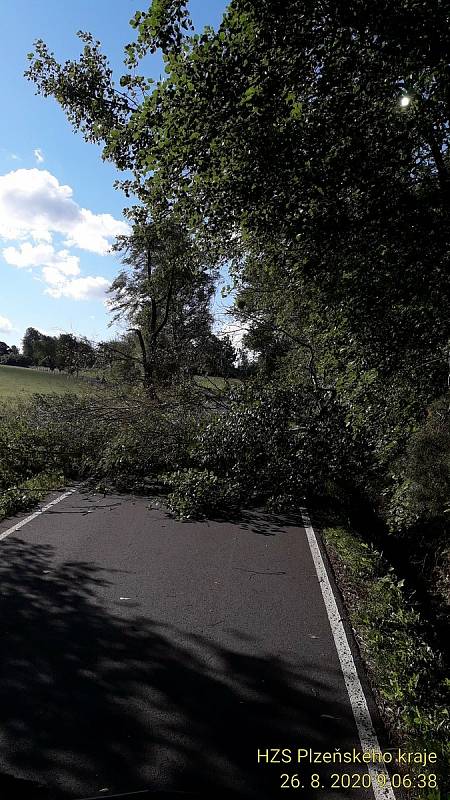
<point>91,700</point>
<point>266,524</point>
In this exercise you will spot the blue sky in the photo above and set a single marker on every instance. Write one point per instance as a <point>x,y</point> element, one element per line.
<point>58,209</point>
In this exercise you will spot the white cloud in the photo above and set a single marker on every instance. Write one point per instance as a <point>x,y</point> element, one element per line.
<point>87,288</point>
<point>28,255</point>
<point>67,263</point>
<point>34,205</point>
<point>53,276</point>
<point>236,331</point>
<point>95,232</point>
<point>6,325</point>
<point>15,157</point>
<point>39,155</point>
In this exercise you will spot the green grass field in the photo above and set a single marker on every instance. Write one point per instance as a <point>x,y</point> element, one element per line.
<point>20,383</point>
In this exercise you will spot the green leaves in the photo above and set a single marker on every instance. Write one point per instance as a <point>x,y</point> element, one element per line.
<point>162,27</point>
<point>408,673</point>
<point>194,492</point>
<point>250,94</point>
<point>280,143</point>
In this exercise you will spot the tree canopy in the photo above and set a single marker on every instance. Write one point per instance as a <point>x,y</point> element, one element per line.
<point>307,144</point>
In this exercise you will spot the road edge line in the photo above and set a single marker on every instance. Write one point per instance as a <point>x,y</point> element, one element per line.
<point>364,725</point>
<point>35,514</point>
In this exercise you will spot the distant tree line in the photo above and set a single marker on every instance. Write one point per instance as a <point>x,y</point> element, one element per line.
<point>66,352</point>
<point>8,354</point>
<point>188,347</point>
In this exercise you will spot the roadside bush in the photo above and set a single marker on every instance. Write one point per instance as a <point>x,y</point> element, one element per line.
<point>196,492</point>
<point>422,478</point>
<point>73,430</point>
<point>277,443</point>
<point>30,462</point>
<point>23,447</point>
<point>270,446</point>
<point>25,496</point>
<point>121,442</point>
<point>134,455</point>
<point>417,502</point>
<point>408,674</point>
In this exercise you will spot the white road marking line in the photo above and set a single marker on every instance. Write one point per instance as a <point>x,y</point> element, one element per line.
<point>25,521</point>
<point>358,702</point>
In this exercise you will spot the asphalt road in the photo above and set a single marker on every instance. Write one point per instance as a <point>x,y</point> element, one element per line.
<point>141,652</point>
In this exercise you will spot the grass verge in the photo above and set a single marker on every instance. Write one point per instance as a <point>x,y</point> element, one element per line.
<point>407,675</point>
<point>28,494</point>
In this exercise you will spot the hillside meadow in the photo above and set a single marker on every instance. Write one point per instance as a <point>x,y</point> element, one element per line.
<point>20,383</point>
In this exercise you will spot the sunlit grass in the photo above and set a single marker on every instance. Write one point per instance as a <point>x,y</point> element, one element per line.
<point>20,383</point>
